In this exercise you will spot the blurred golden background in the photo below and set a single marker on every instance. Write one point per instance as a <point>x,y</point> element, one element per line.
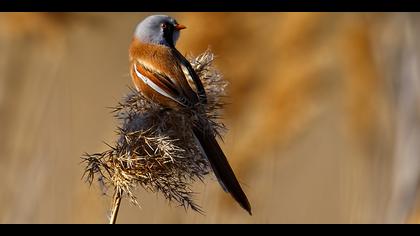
<point>323,118</point>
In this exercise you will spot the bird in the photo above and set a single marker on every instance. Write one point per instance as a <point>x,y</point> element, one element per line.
<point>161,73</point>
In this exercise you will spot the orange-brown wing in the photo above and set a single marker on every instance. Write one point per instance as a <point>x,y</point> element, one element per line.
<point>158,68</point>
<point>161,84</point>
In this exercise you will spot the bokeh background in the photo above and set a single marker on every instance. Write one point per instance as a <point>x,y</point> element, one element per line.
<point>323,118</point>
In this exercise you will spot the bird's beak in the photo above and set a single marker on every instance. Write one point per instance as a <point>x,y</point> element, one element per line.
<point>180,27</point>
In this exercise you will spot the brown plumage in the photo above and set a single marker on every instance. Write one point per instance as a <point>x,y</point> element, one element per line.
<point>153,62</point>
<point>163,74</point>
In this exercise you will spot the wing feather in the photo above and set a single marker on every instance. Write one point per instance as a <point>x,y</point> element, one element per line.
<point>163,70</point>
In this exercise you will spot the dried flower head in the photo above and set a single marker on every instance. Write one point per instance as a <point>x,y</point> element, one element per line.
<point>156,148</point>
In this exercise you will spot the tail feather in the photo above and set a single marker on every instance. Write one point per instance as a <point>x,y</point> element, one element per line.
<point>221,167</point>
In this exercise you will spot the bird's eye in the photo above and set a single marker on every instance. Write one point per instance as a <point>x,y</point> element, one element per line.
<point>163,25</point>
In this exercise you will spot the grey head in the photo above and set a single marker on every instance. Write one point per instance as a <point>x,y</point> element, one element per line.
<point>158,29</point>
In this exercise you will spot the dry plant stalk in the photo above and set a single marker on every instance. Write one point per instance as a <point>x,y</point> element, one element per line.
<point>116,202</point>
<point>156,148</point>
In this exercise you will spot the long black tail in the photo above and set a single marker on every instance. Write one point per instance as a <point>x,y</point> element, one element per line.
<point>221,167</point>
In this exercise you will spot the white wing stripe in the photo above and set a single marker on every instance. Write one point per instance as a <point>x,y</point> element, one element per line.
<point>152,84</point>
<point>151,68</point>
<point>189,78</point>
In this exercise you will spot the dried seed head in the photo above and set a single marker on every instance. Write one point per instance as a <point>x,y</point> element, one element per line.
<point>155,147</point>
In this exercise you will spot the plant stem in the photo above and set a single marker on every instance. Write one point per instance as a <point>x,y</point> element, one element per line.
<point>115,206</point>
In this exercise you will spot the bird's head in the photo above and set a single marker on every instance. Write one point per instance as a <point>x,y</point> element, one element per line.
<point>158,29</point>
